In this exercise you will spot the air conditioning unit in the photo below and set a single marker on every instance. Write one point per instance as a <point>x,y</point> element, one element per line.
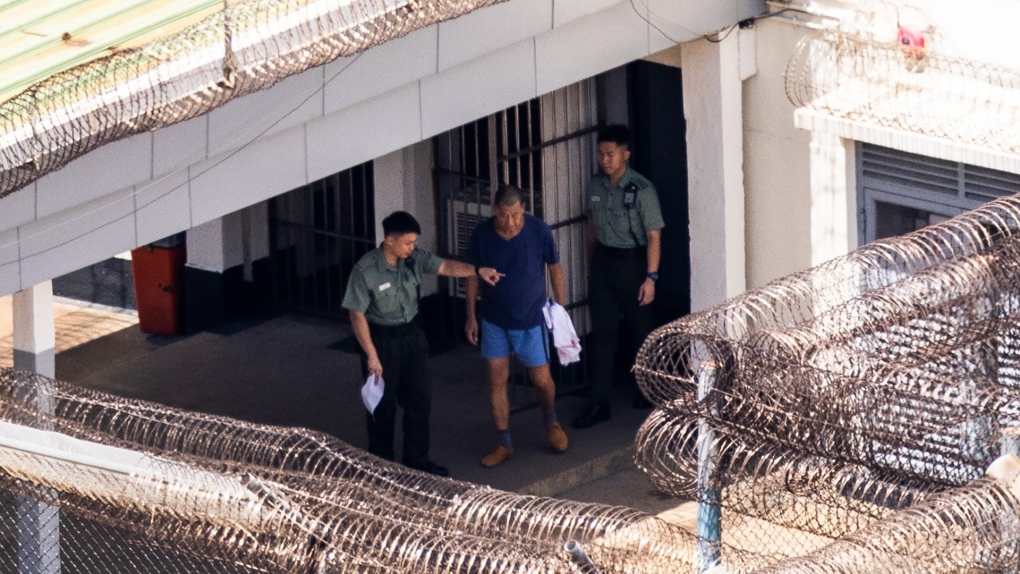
<point>464,216</point>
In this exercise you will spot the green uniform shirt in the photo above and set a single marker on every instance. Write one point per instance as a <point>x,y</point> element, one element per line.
<point>615,224</point>
<point>388,294</point>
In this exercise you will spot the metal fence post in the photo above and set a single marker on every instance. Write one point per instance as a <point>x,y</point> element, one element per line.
<point>35,351</point>
<point>709,512</point>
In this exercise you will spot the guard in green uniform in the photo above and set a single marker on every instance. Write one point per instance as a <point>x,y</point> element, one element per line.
<point>382,298</point>
<point>623,240</point>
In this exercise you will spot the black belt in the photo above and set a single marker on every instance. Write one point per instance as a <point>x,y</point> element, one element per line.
<point>387,331</point>
<point>622,252</point>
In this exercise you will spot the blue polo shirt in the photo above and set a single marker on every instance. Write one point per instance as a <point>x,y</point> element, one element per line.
<point>516,301</point>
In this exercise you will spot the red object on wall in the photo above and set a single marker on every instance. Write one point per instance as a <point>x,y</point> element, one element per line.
<point>159,288</point>
<point>911,41</point>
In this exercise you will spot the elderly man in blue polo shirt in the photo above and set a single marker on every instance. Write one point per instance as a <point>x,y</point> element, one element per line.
<point>522,246</point>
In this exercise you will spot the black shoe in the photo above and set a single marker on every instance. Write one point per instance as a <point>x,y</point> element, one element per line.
<point>640,402</point>
<point>592,415</point>
<point>431,468</point>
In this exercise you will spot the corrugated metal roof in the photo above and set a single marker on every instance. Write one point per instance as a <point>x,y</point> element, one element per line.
<point>41,38</point>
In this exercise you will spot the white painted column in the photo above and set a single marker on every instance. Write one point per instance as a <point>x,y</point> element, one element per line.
<point>713,108</point>
<point>34,333</point>
<point>388,173</point>
<point>216,245</point>
<point>403,182</point>
<point>35,350</point>
<point>833,224</point>
<point>212,249</point>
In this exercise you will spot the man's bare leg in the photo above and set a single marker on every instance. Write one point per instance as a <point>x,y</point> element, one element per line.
<point>499,375</point>
<point>545,388</point>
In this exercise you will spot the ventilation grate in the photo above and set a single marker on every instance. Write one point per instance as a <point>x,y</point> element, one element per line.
<point>908,169</point>
<point>983,184</point>
<point>974,185</point>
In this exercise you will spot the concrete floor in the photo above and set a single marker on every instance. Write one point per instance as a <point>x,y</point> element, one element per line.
<point>282,371</point>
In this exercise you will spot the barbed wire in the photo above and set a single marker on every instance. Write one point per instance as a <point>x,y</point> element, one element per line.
<point>969,529</point>
<point>206,490</point>
<point>847,395</point>
<point>189,73</point>
<point>849,74</point>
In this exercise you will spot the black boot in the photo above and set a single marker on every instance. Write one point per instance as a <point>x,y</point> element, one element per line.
<point>592,415</point>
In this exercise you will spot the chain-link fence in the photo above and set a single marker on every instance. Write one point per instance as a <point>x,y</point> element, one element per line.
<point>94,483</point>
<point>860,401</point>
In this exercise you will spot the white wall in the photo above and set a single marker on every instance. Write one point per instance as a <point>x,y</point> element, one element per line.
<point>403,181</point>
<point>320,122</point>
<point>797,217</point>
<point>776,163</point>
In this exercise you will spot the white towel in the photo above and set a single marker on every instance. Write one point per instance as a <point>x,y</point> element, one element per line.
<point>568,346</point>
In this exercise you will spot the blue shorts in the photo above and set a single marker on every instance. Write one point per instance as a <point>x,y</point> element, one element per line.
<point>529,345</point>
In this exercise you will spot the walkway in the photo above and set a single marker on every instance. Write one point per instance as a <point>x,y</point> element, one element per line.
<point>282,371</point>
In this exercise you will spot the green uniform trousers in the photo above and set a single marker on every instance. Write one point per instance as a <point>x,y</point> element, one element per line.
<point>613,285</point>
<point>403,351</point>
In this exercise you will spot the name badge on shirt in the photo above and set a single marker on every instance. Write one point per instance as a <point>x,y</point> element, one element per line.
<point>384,286</point>
<point>596,198</point>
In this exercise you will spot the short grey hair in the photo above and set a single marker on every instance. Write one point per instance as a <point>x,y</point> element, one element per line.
<point>508,196</point>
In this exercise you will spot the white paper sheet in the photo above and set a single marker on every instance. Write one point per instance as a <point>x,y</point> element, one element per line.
<point>372,391</point>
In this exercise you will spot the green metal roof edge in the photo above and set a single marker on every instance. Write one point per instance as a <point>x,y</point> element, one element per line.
<point>16,86</point>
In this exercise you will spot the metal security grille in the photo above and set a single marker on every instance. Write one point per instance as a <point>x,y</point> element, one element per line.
<point>546,147</point>
<point>318,232</point>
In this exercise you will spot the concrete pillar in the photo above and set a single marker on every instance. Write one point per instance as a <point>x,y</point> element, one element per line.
<point>403,181</point>
<point>713,109</point>
<point>833,222</point>
<point>34,333</point>
<point>216,245</point>
<point>214,272</point>
<point>34,350</point>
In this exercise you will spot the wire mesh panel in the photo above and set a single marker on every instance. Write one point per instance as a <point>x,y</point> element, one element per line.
<point>140,487</point>
<point>87,545</point>
<point>852,409</point>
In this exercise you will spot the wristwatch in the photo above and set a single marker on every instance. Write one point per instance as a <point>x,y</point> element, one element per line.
<point>654,275</point>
